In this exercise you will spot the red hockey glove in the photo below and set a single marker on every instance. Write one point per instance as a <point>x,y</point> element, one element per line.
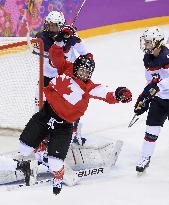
<point>68,36</point>
<point>123,94</point>
<point>68,30</point>
<point>89,55</point>
<point>65,33</point>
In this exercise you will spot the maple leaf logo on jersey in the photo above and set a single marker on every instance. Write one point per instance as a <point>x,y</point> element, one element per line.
<point>62,86</point>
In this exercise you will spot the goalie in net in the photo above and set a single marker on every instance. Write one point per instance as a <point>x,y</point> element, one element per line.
<point>67,98</point>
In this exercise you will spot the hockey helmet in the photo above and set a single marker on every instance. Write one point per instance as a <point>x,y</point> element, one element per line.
<point>152,38</point>
<point>83,67</point>
<point>56,17</point>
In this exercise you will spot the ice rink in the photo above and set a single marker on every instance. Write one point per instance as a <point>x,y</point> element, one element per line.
<point>118,63</point>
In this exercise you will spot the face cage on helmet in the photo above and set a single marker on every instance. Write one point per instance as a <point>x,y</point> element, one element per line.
<point>46,25</point>
<point>155,44</point>
<point>82,77</point>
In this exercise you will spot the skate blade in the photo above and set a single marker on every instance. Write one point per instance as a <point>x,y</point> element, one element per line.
<point>139,174</point>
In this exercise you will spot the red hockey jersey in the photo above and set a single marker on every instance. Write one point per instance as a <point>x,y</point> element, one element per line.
<point>69,96</point>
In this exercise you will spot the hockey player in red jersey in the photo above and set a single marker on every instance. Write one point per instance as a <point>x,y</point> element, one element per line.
<point>155,96</point>
<point>67,96</point>
<point>56,30</point>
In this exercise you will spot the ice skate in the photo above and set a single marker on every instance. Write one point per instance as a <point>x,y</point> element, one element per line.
<point>57,186</point>
<point>142,164</point>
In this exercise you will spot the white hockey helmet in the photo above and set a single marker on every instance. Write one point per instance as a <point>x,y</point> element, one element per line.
<point>56,17</point>
<point>154,35</point>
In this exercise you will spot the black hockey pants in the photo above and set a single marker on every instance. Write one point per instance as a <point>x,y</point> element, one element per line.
<point>158,112</point>
<point>47,123</point>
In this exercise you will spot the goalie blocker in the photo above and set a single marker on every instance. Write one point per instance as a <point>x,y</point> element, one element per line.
<point>81,162</point>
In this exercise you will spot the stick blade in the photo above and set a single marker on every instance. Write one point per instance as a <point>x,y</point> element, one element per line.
<point>134,120</point>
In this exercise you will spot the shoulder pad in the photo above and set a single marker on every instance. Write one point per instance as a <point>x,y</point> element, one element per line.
<point>165,55</point>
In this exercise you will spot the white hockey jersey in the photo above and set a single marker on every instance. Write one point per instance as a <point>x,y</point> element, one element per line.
<point>158,67</point>
<point>71,55</point>
<point>77,48</point>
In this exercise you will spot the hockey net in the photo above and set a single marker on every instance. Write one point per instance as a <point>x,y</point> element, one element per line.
<point>21,76</point>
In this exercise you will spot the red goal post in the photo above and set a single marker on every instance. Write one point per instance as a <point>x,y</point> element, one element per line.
<point>21,78</point>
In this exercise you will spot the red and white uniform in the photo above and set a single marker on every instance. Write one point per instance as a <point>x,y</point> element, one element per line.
<point>69,96</point>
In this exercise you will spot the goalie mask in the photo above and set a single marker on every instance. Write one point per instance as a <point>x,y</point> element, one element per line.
<point>83,67</point>
<point>151,39</point>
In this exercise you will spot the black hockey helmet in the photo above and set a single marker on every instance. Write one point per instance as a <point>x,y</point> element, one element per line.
<point>84,63</point>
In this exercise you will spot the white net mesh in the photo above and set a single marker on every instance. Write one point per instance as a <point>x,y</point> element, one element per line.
<point>19,75</point>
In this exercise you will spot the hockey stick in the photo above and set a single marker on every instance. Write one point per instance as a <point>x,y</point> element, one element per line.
<point>75,175</point>
<point>141,104</point>
<point>18,186</point>
<point>78,12</point>
<point>134,120</point>
<point>136,116</point>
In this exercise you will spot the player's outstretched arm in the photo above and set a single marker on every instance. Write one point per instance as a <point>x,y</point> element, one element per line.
<point>56,56</point>
<point>121,94</point>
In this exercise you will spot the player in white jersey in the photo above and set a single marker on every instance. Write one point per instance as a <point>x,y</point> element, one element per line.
<point>155,96</point>
<point>56,30</point>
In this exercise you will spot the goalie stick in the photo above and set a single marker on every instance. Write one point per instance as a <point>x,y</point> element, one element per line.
<point>18,186</point>
<point>75,176</point>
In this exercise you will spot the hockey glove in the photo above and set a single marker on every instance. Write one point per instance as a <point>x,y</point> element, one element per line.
<point>123,94</point>
<point>144,99</point>
<point>89,55</point>
<point>65,33</point>
<point>141,105</point>
<point>68,36</point>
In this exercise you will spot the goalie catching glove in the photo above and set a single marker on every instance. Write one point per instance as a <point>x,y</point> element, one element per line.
<point>123,94</point>
<point>146,96</point>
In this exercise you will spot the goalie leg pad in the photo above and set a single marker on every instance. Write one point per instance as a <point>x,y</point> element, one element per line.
<point>80,157</point>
